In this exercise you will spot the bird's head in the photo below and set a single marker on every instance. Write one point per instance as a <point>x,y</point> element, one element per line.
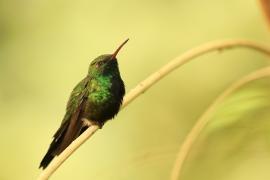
<point>106,63</point>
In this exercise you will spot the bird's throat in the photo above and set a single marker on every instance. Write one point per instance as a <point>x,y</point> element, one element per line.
<point>100,89</point>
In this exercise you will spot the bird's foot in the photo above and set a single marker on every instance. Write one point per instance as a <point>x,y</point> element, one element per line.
<point>88,123</point>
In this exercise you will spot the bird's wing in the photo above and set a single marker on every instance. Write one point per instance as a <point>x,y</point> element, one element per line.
<point>71,124</point>
<point>75,100</point>
<point>73,109</point>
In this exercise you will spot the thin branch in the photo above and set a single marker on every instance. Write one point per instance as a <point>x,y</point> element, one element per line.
<point>206,117</point>
<point>148,82</point>
<point>188,56</point>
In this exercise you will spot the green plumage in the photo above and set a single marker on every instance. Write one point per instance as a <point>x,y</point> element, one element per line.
<point>97,98</point>
<point>100,89</point>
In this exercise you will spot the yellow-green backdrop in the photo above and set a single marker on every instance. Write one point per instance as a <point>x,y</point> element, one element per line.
<point>47,45</point>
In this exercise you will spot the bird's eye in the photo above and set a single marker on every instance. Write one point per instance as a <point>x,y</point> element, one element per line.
<point>100,63</point>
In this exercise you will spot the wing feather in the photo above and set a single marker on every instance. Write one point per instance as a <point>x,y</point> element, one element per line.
<point>71,124</point>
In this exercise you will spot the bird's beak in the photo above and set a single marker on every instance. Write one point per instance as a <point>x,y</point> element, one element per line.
<point>118,49</point>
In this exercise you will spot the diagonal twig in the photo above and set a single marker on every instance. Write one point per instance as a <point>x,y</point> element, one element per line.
<point>147,83</point>
<point>201,123</point>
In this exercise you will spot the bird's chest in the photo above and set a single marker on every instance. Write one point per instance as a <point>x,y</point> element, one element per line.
<point>100,90</point>
<point>104,98</point>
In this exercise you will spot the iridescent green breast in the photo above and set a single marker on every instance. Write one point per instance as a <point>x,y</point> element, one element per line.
<point>100,89</point>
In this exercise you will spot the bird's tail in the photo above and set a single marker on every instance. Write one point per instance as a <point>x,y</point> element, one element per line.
<point>46,160</point>
<point>54,146</point>
<point>64,136</point>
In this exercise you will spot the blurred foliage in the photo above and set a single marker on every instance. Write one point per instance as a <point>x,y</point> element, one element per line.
<point>45,49</point>
<point>237,138</point>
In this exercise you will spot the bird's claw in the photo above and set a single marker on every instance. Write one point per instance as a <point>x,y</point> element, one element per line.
<point>89,123</point>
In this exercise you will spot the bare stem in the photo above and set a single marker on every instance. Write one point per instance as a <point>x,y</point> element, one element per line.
<point>206,117</point>
<point>188,56</point>
<point>147,83</point>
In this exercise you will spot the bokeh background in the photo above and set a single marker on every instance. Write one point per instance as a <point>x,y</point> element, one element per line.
<point>47,45</point>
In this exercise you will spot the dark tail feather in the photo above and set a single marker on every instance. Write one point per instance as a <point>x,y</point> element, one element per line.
<point>67,132</point>
<point>50,154</point>
<point>54,146</point>
<point>46,160</point>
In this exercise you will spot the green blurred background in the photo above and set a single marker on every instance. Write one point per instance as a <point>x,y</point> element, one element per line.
<point>47,45</point>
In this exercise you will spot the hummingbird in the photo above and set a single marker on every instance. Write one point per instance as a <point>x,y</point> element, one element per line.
<point>94,100</point>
